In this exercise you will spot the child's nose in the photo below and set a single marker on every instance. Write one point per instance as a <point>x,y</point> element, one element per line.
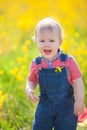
<point>47,43</point>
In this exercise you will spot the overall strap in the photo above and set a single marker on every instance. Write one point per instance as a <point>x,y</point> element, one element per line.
<point>38,60</point>
<point>63,57</point>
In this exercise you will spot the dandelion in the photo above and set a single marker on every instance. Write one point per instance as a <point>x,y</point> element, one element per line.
<point>83,46</point>
<point>23,67</point>
<point>1,72</point>
<point>14,71</point>
<point>20,60</point>
<point>0,92</point>
<point>19,77</point>
<point>2,98</point>
<point>24,48</point>
<point>27,42</point>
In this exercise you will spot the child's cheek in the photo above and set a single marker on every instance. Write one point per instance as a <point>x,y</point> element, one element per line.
<point>55,45</point>
<point>39,45</point>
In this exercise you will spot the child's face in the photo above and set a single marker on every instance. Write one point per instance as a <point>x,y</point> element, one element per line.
<point>48,43</point>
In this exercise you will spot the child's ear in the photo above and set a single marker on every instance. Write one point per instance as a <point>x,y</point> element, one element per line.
<point>60,41</point>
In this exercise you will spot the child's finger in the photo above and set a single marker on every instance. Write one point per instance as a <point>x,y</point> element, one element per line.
<point>37,98</point>
<point>75,110</point>
<point>78,111</point>
<point>31,97</point>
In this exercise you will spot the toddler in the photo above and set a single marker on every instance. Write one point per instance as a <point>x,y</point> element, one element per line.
<point>61,97</point>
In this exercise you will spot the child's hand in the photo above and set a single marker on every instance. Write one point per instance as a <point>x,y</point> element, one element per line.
<point>78,107</point>
<point>30,94</point>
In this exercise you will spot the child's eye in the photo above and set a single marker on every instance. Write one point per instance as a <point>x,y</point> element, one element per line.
<point>51,40</point>
<point>41,40</point>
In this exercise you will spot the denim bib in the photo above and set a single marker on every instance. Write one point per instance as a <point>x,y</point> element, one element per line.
<point>53,82</point>
<point>56,105</point>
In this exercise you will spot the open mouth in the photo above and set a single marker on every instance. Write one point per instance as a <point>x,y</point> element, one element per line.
<point>47,52</point>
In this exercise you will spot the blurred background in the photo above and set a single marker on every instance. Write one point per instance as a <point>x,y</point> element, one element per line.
<point>17,22</point>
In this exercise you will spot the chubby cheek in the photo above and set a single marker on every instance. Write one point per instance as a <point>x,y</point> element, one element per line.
<point>40,49</point>
<point>56,45</point>
<point>39,46</point>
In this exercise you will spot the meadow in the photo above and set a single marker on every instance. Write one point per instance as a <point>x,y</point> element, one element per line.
<point>17,48</point>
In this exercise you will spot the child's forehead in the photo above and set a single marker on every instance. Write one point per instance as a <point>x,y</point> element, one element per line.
<point>47,33</point>
<point>47,27</point>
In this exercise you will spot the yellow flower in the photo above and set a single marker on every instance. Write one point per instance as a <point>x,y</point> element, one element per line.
<point>19,77</point>
<point>1,72</point>
<point>24,48</point>
<point>23,68</point>
<point>0,92</point>
<point>2,98</point>
<point>19,59</point>
<point>58,69</point>
<point>27,42</point>
<point>14,71</point>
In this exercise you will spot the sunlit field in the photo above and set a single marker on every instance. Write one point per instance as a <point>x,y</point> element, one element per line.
<point>17,48</point>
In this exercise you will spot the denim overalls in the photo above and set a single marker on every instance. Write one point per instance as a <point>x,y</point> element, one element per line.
<point>56,105</point>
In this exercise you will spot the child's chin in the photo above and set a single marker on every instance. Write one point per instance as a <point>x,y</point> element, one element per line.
<point>48,57</point>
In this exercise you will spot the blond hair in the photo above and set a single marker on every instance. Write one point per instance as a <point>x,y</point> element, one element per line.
<point>49,23</point>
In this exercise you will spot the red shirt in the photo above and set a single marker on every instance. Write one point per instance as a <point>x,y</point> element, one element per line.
<point>73,71</point>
